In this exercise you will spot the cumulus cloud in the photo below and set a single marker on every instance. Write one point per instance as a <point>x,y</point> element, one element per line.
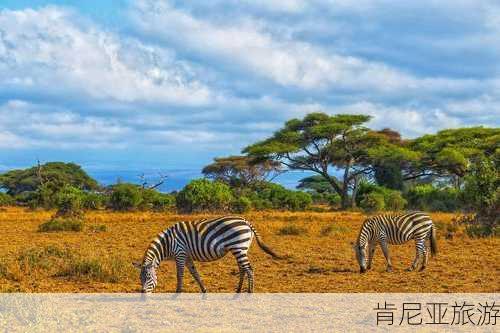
<point>211,77</point>
<point>49,51</point>
<point>251,46</point>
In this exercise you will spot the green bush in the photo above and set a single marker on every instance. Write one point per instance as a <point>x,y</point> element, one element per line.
<point>291,230</point>
<point>332,229</point>
<point>49,258</point>
<point>157,201</point>
<point>6,200</point>
<point>125,197</point>
<point>372,197</point>
<point>61,224</point>
<point>270,195</point>
<point>69,201</point>
<point>204,195</point>
<point>480,231</point>
<point>429,198</point>
<point>394,201</point>
<point>373,202</point>
<point>98,228</point>
<point>108,270</point>
<point>241,205</point>
<point>333,199</point>
<point>94,201</point>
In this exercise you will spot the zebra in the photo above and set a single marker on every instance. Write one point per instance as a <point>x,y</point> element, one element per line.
<point>202,240</point>
<point>395,229</point>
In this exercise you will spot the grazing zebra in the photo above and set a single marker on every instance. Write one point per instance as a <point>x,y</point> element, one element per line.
<point>395,229</point>
<point>204,240</point>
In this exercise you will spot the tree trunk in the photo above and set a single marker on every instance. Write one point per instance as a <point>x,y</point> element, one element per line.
<point>355,192</point>
<point>346,202</point>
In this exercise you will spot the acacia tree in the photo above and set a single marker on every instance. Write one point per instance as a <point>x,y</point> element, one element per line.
<point>322,143</point>
<point>242,171</point>
<point>448,153</point>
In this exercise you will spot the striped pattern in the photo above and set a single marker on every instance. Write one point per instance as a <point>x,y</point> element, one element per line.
<point>204,240</point>
<point>395,229</point>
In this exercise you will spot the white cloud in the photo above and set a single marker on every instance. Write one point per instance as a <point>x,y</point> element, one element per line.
<point>252,46</point>
<point>48,50</point>
<point>24,124</point>
<point>213,77</point>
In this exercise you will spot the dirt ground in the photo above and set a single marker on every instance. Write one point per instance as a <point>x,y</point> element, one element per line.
<point>319,259</point>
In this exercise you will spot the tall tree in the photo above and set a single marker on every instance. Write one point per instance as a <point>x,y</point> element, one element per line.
<point>242,171</point>
<point>321,143</point>
<point>448,153</point>
<point>316,184</point>
<point>52,174</point>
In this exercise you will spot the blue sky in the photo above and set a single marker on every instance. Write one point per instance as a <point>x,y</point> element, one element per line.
<point>143,84</point>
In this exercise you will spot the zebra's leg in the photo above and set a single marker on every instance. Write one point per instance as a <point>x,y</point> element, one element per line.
<point>196,276</point>
<point>244,267</point>
<point>180,261</point>
<point>250,278</point>
<point>426,257</point>
<point>419,250</point>
<point>371,252</point>
<point>385,250</point>
<point>240,282</point>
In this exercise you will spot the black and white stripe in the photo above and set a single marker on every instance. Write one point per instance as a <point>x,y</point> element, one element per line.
<point>204,240</point>
<point>395,229</point>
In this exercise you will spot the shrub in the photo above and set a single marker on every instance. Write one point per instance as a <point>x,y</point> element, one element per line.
<point>241,205</point>
<point>480,231</point>
<point>5,199</point>
<point>157,201</point>
<point>125,197</point>
<point>332,228</point>
<point>90,268</point>
<point>333,199</point>
<point>94,201</point>
<point>372,197</point>
<point>270,195</point>
<point>297,200</point>
<point>61,224</point>
<point>429,198</point>
<point>98,228</point>
<point>373,202</point>
<point>482,195</point>
<point>110,270</point>
<point>4,272</point>
<point>69,201</point>
<point>394,201</point>
<point>204,195</point>
<point>291,230</point>
<point>48,258</point>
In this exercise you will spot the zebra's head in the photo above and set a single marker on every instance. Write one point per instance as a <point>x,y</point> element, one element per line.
<point>148,276</point>
<point>360,256</point>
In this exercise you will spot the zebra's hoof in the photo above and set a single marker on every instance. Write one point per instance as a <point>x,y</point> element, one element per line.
<point>410,269</point>
<point>421,269</point>
<point>389,269</point>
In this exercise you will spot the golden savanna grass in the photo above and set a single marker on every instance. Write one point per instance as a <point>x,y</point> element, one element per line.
<point>319,257</point>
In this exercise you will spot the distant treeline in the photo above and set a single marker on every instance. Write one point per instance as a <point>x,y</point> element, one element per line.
<point>452,170</point>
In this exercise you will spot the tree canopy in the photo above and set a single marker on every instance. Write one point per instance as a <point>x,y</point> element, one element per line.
<point>320,143</point>
<point>241,170</point>
<point>57,174</point>
<point>448,153</point>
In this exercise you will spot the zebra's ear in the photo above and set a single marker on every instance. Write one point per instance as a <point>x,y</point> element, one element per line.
<point>137,265</point>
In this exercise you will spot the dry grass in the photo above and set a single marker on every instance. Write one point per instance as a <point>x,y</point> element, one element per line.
<point>318,260</point>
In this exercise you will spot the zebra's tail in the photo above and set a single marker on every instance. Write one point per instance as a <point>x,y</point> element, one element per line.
<point>434,248</point>
<point>261,244</point>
